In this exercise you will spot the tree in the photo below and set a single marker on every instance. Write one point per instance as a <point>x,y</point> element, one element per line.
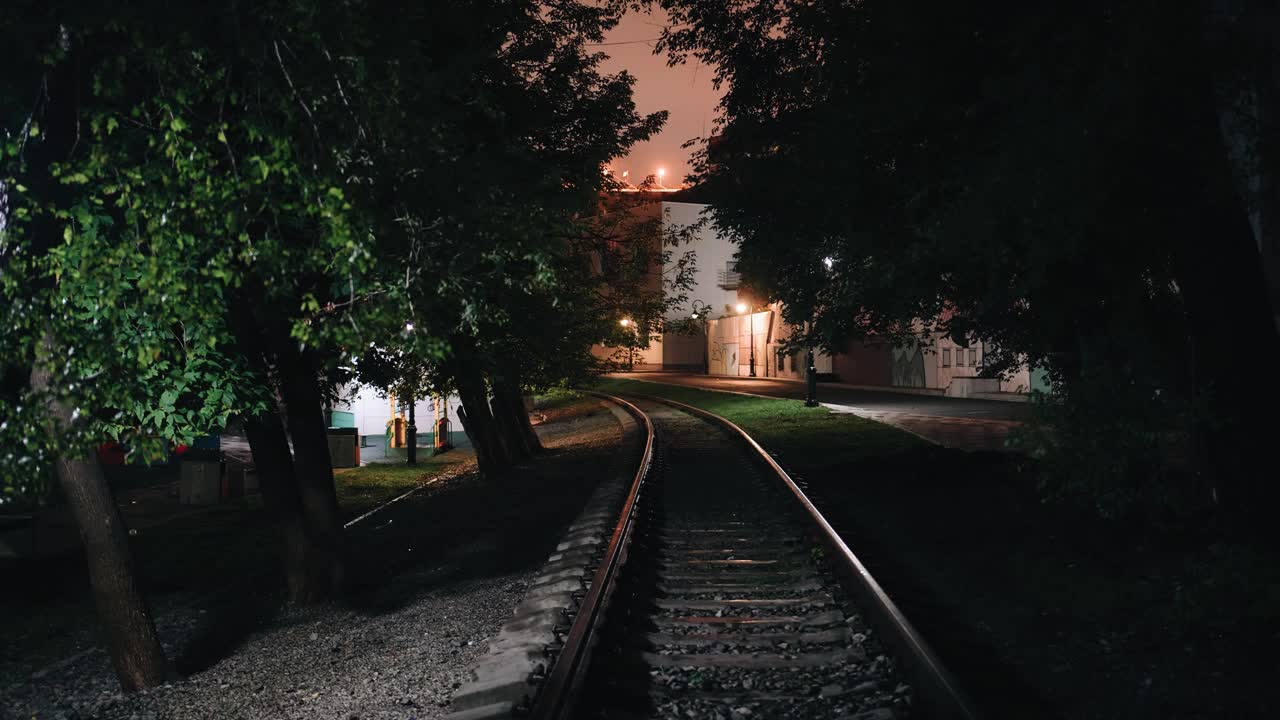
<point>165,175</point>
<point>212,212</point>
<point>1054,183</point>
<point>77,313</point>
<point>484,165</point>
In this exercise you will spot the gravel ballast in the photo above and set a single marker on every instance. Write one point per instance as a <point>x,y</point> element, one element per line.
<point>438,575</point>
<point>328,662</point>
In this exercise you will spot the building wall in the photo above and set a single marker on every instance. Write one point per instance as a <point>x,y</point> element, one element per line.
<point>729,341</point>
<point>685,352</point>
<point>864,363</point>
<point>713,252</point>
<point>373,409</point>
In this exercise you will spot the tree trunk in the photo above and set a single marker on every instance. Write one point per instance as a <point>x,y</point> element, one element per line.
<point>313,468</point>
<point>1244,47</point>
<point>274,465</point>
<point>481,428</point>
<point>1229,313</point>
<point>479,423</point>
<point>507,395</point>
<point>508,429</point>
<point>131,637</point>
<point>302,507</point>
<point>130,632</point>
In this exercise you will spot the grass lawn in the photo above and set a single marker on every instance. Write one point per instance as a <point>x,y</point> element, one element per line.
<point>364,488</point>
<point>785,424</point>
<point>1042,611</point>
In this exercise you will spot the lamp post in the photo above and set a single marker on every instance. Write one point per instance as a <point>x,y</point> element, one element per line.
<point>700,312</point>
<point>751,318</point>
<point>411,431</point>
<point>411,436</point>
<point>811,399</point>
<point>811,395</point>
<point>631,346</point>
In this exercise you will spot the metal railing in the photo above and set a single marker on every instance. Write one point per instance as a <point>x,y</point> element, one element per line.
<point>728,279</point>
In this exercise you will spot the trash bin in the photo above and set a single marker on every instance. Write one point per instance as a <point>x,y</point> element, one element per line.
<point>342,447</point>
<point>200,477</point>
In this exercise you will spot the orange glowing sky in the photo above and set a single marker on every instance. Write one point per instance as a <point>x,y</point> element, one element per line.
<point>684,90</point>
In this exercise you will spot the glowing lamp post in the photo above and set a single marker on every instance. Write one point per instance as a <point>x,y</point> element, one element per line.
<point>662,172</point>
<point>411,430</point>
<point>631,346</point>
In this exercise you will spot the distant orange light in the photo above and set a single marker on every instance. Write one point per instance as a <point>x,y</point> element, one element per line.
<point>741,307</point>
<point>625,322</point>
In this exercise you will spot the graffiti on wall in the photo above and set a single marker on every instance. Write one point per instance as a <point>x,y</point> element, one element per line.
<point>908,366</point>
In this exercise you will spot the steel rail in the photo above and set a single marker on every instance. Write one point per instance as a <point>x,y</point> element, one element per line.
<point>938,695</point>
<point>557,695</point>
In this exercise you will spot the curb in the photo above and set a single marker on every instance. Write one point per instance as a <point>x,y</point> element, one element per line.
<point>504,681</point>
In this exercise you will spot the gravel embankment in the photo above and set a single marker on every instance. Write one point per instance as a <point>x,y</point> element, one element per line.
<point>325,663</point>
<point>437,576</point>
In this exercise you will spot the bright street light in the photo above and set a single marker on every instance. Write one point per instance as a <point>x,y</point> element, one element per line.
<point>741,307</point>
<point>631,346</point>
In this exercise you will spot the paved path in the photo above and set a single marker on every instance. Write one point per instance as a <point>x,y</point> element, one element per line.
<point>962,423</point>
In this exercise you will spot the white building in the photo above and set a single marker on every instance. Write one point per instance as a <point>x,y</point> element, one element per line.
<point>738,342</point>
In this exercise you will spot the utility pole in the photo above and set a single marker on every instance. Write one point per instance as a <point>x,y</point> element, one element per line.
<point>751,318</point>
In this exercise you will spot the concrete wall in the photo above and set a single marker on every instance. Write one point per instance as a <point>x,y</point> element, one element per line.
<point>684,352</point>
<point>730,339</point>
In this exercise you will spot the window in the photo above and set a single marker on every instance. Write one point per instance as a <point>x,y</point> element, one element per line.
<point>959,357</point>
<point>946,357</point>
<point>973,357</point>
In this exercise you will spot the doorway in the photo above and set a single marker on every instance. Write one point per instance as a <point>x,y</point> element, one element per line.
<point>730,357</point>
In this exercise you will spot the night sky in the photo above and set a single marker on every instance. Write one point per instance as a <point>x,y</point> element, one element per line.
<point>684,90</point>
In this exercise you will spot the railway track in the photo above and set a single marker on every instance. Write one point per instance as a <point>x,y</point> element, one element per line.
<point>723,593</point>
